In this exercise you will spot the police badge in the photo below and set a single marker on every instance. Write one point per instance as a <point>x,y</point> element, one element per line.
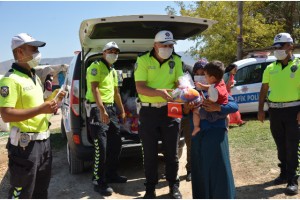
<point>24,140</point>
<point>4,91</point>
<point>94,72</point>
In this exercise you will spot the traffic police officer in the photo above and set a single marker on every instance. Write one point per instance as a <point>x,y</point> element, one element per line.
<point>102,92</point>
<point>282,79</point>
<point>156,73</point>
<point>23,106</point>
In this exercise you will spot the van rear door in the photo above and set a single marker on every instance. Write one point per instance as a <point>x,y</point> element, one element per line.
<point>136,33</point>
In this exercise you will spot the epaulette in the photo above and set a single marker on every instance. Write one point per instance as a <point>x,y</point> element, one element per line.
<point>7,74</point>
<point>97,62</point>
<point>143,53</point>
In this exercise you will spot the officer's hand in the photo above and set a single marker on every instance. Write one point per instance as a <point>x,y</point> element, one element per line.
<point>60,96</point>
<point>261,115</point>
<point>104,117</point>
<point>123,118</point>
<point>49,107</point>
<point>298,118</point>
<point>164,93</point>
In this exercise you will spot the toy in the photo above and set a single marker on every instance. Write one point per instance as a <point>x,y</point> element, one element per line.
<point>185,92</point>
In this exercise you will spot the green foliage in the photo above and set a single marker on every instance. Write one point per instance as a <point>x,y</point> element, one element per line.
<point>219,42</point>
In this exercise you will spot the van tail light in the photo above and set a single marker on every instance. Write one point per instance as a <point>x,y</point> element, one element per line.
<point>74,97</point>
<point>76,139</point>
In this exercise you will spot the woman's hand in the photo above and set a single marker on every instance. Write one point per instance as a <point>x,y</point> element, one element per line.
<point>210,106</point>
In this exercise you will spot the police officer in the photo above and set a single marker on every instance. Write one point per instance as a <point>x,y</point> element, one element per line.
<point>22,105</point>
<point>282,79</point>
<point>102,92</point>
<point>156,72</point>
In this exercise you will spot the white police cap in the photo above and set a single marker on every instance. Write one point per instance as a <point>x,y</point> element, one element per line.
<point>164,37</point>
<point>282,38</point>
<point>25,38</point>
<point>111,45</point>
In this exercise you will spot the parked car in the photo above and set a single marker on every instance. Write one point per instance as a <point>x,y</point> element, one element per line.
<point>134,35</point>
<point>248,82</point>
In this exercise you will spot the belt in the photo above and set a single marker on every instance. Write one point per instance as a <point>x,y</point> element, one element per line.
<point>283,104</point>
<point>94,105</point>
<point>38,136</point>
<point>154,105</point>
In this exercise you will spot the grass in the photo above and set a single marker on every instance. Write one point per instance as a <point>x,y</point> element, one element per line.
<point>252,145</point>
<point>57,141</point>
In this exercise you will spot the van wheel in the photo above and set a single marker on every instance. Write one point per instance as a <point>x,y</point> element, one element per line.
<point>180,150</point>
<point>63,130</point>
<point>76,166</point>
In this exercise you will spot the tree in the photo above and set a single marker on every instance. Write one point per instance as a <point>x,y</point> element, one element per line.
<point>285,12</point>
<point>219,41</point>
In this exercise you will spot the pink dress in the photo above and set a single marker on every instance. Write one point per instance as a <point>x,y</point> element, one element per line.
<point>235,118</point>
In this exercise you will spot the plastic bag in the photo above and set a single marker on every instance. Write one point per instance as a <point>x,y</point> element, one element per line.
<point>185,91</point>
<point>186,81</point>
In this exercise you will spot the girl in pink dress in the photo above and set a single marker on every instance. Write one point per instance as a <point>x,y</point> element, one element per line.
<point>234,118</point>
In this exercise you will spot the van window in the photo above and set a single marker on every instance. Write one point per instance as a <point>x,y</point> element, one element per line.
<point>250,74</point>
<point>69,75</point>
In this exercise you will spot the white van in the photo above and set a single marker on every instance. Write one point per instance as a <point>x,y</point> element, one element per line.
<point>248,82</point>
<point>134,35</point>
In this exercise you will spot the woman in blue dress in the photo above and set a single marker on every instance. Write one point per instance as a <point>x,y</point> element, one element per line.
<point>211,170</point>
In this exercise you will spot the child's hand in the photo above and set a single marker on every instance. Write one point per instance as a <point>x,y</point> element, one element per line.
<point>199,85</point>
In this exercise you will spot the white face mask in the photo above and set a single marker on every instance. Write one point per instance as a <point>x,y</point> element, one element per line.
<point>35,61</point>
<point>165,53</point>
<point>111,58</point>
<point>280,54</point>
<point>201,79</point>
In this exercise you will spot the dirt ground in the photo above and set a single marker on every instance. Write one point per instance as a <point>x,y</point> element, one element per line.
<point>250,182</point>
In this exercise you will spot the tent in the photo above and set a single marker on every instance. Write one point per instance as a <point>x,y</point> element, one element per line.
<point>43,70</point>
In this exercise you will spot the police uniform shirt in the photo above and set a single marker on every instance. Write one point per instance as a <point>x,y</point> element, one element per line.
<point>156,75</point>
<point>99,71</point>
<point>21,90</point>
<point>284,82</point>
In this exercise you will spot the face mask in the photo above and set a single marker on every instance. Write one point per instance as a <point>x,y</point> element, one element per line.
<point>200,79</point>
<point>165,53</point>
<point>280,54</point>
<point>35,61</point>
<point>111,58</point>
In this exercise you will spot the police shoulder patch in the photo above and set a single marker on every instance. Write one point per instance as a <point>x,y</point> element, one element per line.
<point>4,91</point>
<point>94,72</point>
<point>135,66</point>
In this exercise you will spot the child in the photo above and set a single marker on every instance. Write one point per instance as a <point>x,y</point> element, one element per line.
<point>217,92</point>
<point>48,86</point>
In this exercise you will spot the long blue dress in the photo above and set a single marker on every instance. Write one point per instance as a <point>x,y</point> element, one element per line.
<point>211,170</point>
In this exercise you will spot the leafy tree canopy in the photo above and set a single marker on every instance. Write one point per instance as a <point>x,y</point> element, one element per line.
<point>220,41</point>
